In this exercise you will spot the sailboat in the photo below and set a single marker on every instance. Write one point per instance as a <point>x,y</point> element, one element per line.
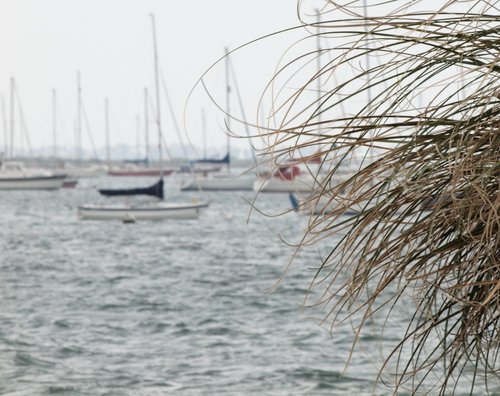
<point>299,175</point>
<point>13,174</point>
<point>323,203</point>
<point>155,211</point>
<point>222,181</point>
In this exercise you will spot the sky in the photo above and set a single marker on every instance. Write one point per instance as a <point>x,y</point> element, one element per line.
<point>45,42</point>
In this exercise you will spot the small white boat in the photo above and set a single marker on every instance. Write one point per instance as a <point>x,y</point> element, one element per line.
<point>275,185</point>
<point>220,182</point>
<point>154,211</point>
<point>14,176</point>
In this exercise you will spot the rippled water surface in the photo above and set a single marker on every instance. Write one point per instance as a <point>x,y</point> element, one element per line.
<point>154,308</point>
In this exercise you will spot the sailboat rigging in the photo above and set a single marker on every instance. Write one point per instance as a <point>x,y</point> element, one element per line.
<point>324,204</point>
<point>141,167</point>
<point>299,175</point>
<point>79,170</point>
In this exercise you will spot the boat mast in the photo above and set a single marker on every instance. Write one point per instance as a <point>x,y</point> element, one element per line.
<point>242,110</point>
<point>54,124</point>
<point>5,129</point>
<point>367,55</point>
<point>228,117</point>
<point>157,91</point>
<point>318,61</point>
<point>368,77</point>
<point>12,87</point>
<point>146,124</point>
<point>24,128</point>
<point>78,117</point>
<point>204,131</point>
<point>106,120</point>
<point>137,136</point>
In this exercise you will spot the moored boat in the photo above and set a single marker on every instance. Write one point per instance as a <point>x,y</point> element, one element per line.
<point>14,176</point>
<point>220,182</point>
<point>139,171</point>
<point>154,211</point>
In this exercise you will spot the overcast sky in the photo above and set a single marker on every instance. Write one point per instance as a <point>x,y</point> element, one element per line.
<point>45,42</point>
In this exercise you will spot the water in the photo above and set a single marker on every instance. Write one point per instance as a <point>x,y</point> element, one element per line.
<point>154,308</point>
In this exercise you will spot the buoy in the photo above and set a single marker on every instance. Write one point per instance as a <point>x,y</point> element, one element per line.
<point>128,218</point>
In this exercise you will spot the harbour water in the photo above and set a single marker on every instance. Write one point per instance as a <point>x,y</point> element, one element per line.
<point>155,308</point>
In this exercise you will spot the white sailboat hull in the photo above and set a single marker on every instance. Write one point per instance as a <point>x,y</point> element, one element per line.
<point>32,182</point>
<point>220,183</point>
<point>273,184</point>
<point>161,211</point>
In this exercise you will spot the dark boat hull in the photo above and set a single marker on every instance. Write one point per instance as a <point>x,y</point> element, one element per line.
<point>155,190</point>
